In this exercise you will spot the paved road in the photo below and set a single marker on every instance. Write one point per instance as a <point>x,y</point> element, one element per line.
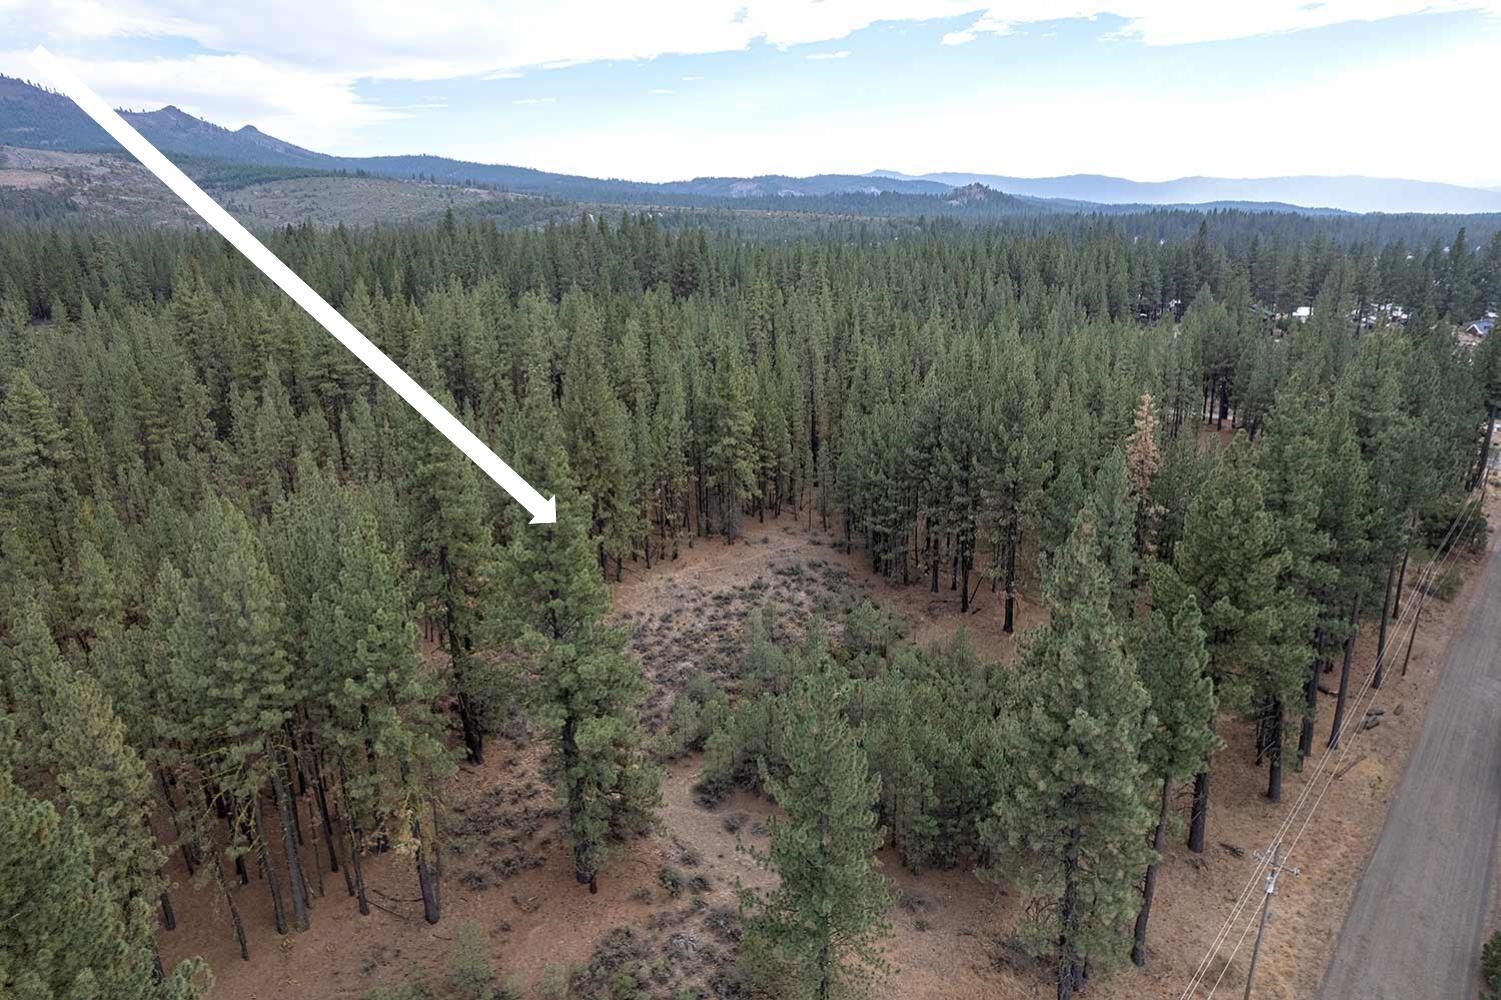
<point>1413,930</point>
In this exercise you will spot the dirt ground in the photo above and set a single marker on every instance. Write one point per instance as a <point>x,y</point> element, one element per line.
<point>509,873</point>
<point>1414,924</point>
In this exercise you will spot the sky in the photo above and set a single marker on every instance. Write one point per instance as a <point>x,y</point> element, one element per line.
<point>1144,89</point>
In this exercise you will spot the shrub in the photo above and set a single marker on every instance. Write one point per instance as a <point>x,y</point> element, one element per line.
<point>671,879</point>
<point>1490,969</point>
<point>870,630</point>
<point>556,982</point>
<point>471,974</point>
<point>696,713</point>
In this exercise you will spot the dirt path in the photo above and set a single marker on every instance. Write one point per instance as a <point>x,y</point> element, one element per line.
<point>1413,930</point>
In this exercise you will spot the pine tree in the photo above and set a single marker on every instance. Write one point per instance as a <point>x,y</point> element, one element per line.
<point>552,606</point>
<point>1172,665</point>
<point>1256,631</point>
<point>230,673</point>
<point>372,705</point>
<point>1068,775</point>
<point>63,929</point>
<point>455,555</point>
<point>1112,519</point>
<point>816,935</point>
<point>1143,460</point>
<point>599,441</point>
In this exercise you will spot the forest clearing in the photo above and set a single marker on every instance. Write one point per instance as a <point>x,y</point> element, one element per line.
<point>949,926</point>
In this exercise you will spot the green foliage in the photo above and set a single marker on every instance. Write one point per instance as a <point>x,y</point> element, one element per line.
<point>870,631</point>
<point>585,683</point>
<point>1490,968</point>
<point>817,933</point>
<point>1067,772</point>
<point>1255,627</point>
<point>67,929</point>
<point>471,973</point>
<point>220,540</point>
<point>1173,666</point>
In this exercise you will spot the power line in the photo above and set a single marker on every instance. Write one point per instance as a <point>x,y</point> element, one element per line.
<point>1274,868</point>
<point>1446,552</point>
<point>1443,554</point>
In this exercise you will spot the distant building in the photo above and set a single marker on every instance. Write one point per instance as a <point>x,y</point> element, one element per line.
<point>1302,313</point>
<point>1481,327</point>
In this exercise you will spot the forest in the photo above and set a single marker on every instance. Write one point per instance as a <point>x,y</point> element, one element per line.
<point>248,600</point>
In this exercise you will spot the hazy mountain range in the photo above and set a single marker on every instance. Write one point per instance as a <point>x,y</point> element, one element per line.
<point>1349,193</point>
<point>34,118</point>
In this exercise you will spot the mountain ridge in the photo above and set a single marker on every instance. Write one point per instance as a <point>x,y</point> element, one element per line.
<point>1346,192</point>
<point>33,117</point>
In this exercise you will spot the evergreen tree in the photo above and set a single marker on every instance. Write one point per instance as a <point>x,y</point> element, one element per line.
<point>1255,633</point>
<point>553,607</point>
<point>1068,774</point>
<point>816,935</point>
<point>1172,665</point>
<point>63,929</point>
<point>371,706</point>
<point>455,556</point>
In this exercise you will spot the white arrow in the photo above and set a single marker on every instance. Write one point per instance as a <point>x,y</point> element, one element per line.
<point>389,372</point>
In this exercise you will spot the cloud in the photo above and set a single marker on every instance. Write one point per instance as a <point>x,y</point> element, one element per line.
<point>662,90</point>
<point>397,40</point>
<point>534,100</point>
<point>1187,22</point>
<point>691,79</point>
<point>842,54</point>
<point>299,69</point>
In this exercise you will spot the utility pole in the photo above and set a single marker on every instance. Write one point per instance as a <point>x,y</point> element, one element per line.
<point>1274,868</point>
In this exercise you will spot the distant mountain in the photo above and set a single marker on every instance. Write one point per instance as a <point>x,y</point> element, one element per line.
<point>1348,193</point>
<point>779,186</point>
<point>39,119</point>
<point>34,118</point>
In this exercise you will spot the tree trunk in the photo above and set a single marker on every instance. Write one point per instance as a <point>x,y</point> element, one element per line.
<point>189,850</point>
<point>1311,696</point>
<point>234,911</point>
<point>1412,634</point>
<point>964,582</point>
<point>1401,578</point>
<point>474,740</point>
<point>295,876</point>
<point>1159,843</point>
<point>169,917</point>
<point>237,822</point>
<point>1069,978</point>
<point>1198,819</point>
<point>320,798</point>
<point>1274,753</point>
<point>1344,675</point>
<point>268,871</point>
<point>430,911</point>
<point>1485,447</point>
<point>1009,625</point>
<point>1386,602</point>
<point>356,845</point>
